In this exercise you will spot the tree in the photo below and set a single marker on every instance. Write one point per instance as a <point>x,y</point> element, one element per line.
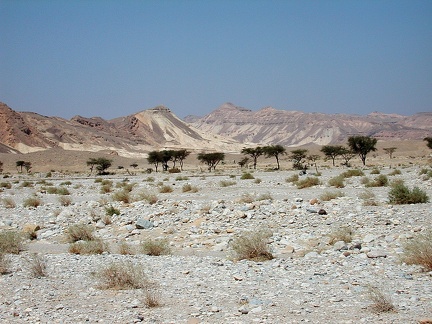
<point>254,153</point>
<point>1,166</point>
<point>390,151</point>
<point>362,145</point>
<point>167,155</point>
<point>332,151</point>
<point>102,164</point>
<point>298,157</point>
<point>134,165</point>
<point>211,159</point>
<point>27,166</point>
<point>347,155</point>
<point>181,155</point>
<point>274,151</point>
<point>429,142</point>
<point>154,157</point>
<point>313,158</point>
<point>91,162</point>
<point>243,161</point>
<point>20,164</point>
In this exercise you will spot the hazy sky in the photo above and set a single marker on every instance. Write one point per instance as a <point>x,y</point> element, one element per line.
<point>113,58</point>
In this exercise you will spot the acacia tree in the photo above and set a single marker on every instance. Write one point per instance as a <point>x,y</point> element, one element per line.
<point>274,151</point>
<point>313,158</point>
<point>429,142</point>
<point>1,166</point>
<point>102,164</point>
<point>27,166</point>
<point>347,155</point>
<point>211,159</point>
<point>332,151</point>
<point>298,157</point>
<point>390,151</point>
<point>362,145</point>
<point>254,153</point>
<point>181,156</point>
<point>154,157</point>
<point>243,161</point>
<point>91,162</point>
<point>20,164</point>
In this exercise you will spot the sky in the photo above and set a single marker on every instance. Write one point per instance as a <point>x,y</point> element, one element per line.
<point>114,58</point>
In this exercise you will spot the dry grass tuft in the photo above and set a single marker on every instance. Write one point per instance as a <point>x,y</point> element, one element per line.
<point>381,302</point>
<point>152,296</point>
<point>308,182</point>
<point>155,247</point>
<point>8,202</point>
<point>189,188</point>
<point>353,173</point>
<point>125,248</point>
<point>329,195</point>
<point>32,202</point>
<point>4,264</point>
<point>368,198</point>
<point>419,250</point>
<point>292,179</point>
<point>342,233</point>
<point>37,266</point>
<point>122,275</point>
<point>247,176</point>
<point>79,232</point>
<point>165,189</point>
<point>227,183</point>
<point>337,182</point>
<point>122,195</point>
<point>252,246</point>
<point>65,200</point>
<point>11,242</point>
<point>96,246</point>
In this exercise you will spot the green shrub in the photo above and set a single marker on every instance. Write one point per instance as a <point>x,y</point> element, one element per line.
<point>308,182</point>
<point>337,182</point>
<point>181,178</point>
<point>418,250</point>
<point>6,185</point>
<point>247,176</point>
<point>375,171</point>
<point>112,211</point>
<point>329,195</point>
<point>427,174</point>
<point>66,183</point>
<point>79,232</point>
<point>58,191</point>
<point>174,170</point>
<point>155,247</point>
<point>257,181</point>
<point>11,242</point>
<point>252,246</point>
<point>227,183</point>
<point>395,172</point>
<point>122,275</point>
<point>98,180</point>
<point>95,246</point>
<point>380,181</point>
<point>353,173</point>
<point>400,194</point>
<point>32,202</point>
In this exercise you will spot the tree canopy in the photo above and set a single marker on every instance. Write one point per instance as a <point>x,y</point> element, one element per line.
<point>274,151</point>
<point>362,145</point>
<point>211,159</point>
<point>332,151</point>
<point>298,157</point>
<point>254,153</point>
<point>429,142</point>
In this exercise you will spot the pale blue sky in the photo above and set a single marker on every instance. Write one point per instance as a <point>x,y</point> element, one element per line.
<point>113,58</point>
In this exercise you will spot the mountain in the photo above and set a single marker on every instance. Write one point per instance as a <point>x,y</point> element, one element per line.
<point>156,128</point>
<point>295,128</point>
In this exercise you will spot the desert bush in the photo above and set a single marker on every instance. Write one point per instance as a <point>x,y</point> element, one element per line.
<point>181,178</point>
<point>292,179</point>
<point>125,248</point>
<point>27,184</point>
<point>308,182</point>
<point>147,196</point>
<point>65,200</point>
<point>381,303</point>
<point>32,202</point>
<point>174,170</point>
<point>37,266</point>
<point>128,187</point>
<point>257,181</point>
<point>395,172</point>
<point>375,171</point>
<point>98,180</point>
<point>149,179</point>
<point>95,246</point>
<point>427,174</point>
<point>189,188</point>
<point>400,194</point>
<point>66,183</point>
<point>329,195</point>
<point>110,211</point>
<point>337,182</point>
<point>5,185</point>
<point>247,198</point>
<point>380,181</point>
<point>342,233</point>
<point>122,195</point>
<point>79,232</point>
<point>227,183</point>
<point>247,176</point>
<point>4,263</point>
<point>165,189</point>
<point>122,275</point>
<point>155,247</point>
<point>8,202</point>
<point>105,189</point>
<point>252,246</point>
<point>353,173</point>
<point>152,296</point>
<point>11,242</point>
<point>58,191</point>
<point>264,196</point>
<point>368,198</point>
<point>418,250</point>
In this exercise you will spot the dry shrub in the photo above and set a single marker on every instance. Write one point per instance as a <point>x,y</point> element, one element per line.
<point>125,248</point>
<point>4,263</point>
<point>337,182</point>
<point>247,176</point>
<point>79,232</point>
<point>292,179</point>
<point>165,189</point>
<point>375,171</point>
<point>149,197</point>
<point>65,200</point>
<point>368,198</point>
<point>8,202</point>
<point>419,250</point>
<point>329,195</point>
<point>308,182</point>
<point>264,196</point>
<point>381,303</point>
<point>122,195</point>
<point>152,296</point>
<point>122,275</point>
<point>11,242</point>
<point>380,181</point>
<point>155,247</point>
<point>58,191</point>
<point>189,188</point>
<point>32,202</point>
<point>252,246</point>
<point>400,194</point>
<point>395,172</point>
<point>111,210</point>
<point>96,246</point>
<point>257,181</point>
<point>342,233</point>
<point>5,185</point>
<point>227,183</point>
<point>37,266</point>
<point>106,189</point>
<point>353,173</point>
<point>181,178</point>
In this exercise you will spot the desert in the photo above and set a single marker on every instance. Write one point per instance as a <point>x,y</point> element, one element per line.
<point>332,248</point>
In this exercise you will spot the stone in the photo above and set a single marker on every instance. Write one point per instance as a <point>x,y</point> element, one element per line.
<point>377,254</point>
<point>369,238</point>
<point>314,201</point>
<point>340,245</point>
<point>143,224</point>
<point>322,212</point>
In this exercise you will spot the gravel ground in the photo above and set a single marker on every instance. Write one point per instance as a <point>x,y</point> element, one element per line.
<point>311,279</point>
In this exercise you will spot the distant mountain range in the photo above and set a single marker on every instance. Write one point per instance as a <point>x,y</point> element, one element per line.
<point>228,129</point>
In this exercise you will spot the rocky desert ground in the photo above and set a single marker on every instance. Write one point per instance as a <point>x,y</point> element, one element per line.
<point>315,276</point>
